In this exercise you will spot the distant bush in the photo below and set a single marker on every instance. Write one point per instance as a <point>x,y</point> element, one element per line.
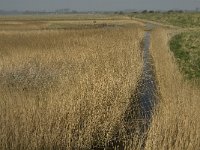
<point>144,11</point>
<point>151,11</point>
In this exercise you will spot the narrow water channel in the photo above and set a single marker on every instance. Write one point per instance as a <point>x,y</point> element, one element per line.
<point>146,93</point>
<point>147,87</point>
<point>145,96</point>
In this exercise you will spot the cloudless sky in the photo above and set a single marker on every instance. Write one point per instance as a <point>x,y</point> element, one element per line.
<point>83,5</point>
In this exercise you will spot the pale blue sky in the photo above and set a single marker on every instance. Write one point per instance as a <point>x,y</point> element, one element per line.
<point>98,4</point>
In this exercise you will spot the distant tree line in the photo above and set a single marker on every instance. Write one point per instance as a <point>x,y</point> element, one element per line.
<point>69,11</point>
<point>169,11</point>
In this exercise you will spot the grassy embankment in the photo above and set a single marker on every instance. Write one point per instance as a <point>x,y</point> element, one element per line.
<point>185,20</point>
<point>185,45</point>
<point>64,89</point>
<point>186,48</point>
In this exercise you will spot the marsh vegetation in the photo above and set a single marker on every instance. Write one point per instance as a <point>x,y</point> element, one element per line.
<point>71,82</point>
<point>66,89</point>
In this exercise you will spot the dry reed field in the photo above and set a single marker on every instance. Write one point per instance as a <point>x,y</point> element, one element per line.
<point>75,82</point>
<point>70,21</point>
<point>176,122</point>
<point>66,89</point>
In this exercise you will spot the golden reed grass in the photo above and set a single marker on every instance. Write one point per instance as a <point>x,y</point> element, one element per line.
<point>66,89</point>
<point>176,122</point>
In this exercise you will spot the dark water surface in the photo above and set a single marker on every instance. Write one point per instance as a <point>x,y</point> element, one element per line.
<point>147,87</point>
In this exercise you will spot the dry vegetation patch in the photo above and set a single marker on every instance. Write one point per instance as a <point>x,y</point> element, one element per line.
<point>66,89</point>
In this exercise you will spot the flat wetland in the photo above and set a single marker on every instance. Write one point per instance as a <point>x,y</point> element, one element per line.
<point>77,82</point>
